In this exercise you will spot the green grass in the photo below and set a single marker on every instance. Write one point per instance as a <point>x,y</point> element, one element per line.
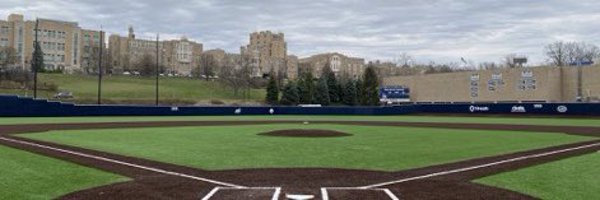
<point>403,118</point>
<point>24,175</point>
<point>137,89</point>
<point>238,147</point>
<point>573,178</point>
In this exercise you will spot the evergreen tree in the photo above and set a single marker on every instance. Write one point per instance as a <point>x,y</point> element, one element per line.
<point>290,96</point>
<point>370,89</point>
<point>37,62</point>
<point>306,87</point>
<point>332,84</point>
<point>322,92</point>
<point>358,84</point>
<point>272,90</point>
<point>350,96</point>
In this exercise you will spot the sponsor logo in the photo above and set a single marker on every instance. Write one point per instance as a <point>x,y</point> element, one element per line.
<point>174,109</point>
<point>238,111</point>
<point>518,109</point>
<point>479,109</point>
<point>538,106</point>
<point>562,109</point>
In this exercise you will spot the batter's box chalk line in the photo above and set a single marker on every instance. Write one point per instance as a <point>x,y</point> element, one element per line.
<point>276,191</point>
<point>325,191</point>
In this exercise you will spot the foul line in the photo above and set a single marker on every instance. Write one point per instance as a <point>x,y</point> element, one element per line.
<point>123,163</point>
<point>479,166</point>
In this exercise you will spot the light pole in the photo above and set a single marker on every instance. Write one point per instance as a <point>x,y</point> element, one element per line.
<point>100,67</point>
<point>157,67</point>
<point>35,60</point>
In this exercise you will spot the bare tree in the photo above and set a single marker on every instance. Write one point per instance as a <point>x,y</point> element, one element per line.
<point>92,57</point>
<point>236,77</point>
<point>405,60</point>
<point>564,53</point>
<point>8,56</point>
<point>556,53</point>
<point>206,67</point>
<point>146,65</point>
<point>488,66</point>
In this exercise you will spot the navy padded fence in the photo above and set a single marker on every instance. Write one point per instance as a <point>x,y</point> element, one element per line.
<point>27,107</point>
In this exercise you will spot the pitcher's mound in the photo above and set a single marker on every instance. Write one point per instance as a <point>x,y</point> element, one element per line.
<point>305,133</point>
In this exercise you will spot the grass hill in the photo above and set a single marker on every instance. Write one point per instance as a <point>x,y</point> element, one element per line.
<point>136,90</point>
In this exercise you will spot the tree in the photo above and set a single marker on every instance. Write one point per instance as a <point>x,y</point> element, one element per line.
<point>37,60</point>
<point>556,53</point>
<point>236,78</point>
<point>306,87</point>
<point>206,67</point>
<point>272,90</point>
<point>290,94</point>
<point>405,60</point>
<point>359,85</point>
<point>8,56</point>
<point>509,60</point>
<point>350,96</point>
<point>370,89</point>
<point>146,65</point>
<point>92,57</point>
<point>322,92</point>
<point>332,84</point>
<point>564,53</point>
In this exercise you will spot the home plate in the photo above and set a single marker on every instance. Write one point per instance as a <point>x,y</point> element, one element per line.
<point>299,197</point>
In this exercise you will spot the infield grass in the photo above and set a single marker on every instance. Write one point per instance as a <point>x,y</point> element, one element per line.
<point>549,121</point>
<point>24,175</point>
<point>573,178</point>
<point>370,147</point>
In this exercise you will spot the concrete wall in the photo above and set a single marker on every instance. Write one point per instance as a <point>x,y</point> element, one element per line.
<point>551,84</point>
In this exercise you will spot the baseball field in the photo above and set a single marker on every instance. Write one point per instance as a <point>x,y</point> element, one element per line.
<point>296,157</point>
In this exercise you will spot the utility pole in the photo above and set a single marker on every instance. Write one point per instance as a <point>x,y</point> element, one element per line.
<point>35,60</point>
<point>157,67</point>
<point>100,67</point>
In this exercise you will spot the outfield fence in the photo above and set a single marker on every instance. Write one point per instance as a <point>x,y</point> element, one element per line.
<point>14,106</point>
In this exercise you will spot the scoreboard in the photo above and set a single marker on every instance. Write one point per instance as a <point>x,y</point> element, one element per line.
<point>394,94</point>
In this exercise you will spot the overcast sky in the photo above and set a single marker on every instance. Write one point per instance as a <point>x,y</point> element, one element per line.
<point>437,30</point>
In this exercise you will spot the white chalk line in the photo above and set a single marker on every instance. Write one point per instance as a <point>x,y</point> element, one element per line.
<point>214,191</point>
<point>388,192</point>
<point>123,163</point>
<point>479,166</point>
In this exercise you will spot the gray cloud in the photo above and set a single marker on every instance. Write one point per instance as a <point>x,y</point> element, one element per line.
<point>438,30</point>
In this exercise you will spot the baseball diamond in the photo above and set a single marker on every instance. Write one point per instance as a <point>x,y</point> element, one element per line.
<point>299,100</point>
<point>296,171</point>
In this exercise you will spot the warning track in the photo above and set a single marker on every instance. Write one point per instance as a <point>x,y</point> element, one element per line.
<point>156,180</point>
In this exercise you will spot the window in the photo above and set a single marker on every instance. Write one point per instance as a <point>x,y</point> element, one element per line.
<point>4,30</point>
<point>4,42</point>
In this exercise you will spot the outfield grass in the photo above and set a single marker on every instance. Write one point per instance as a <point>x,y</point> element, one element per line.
<point>24,175</point>
<point>573,178</point>
<point>138,89</point>
<point>239,147</point>
<point>401,118</point>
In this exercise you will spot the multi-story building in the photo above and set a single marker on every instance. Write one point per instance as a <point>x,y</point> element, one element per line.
<point>63,43</point>
<point>178,56</point>
<point>181,56</point>
<point>340,64</point>
<point>268,52</point>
